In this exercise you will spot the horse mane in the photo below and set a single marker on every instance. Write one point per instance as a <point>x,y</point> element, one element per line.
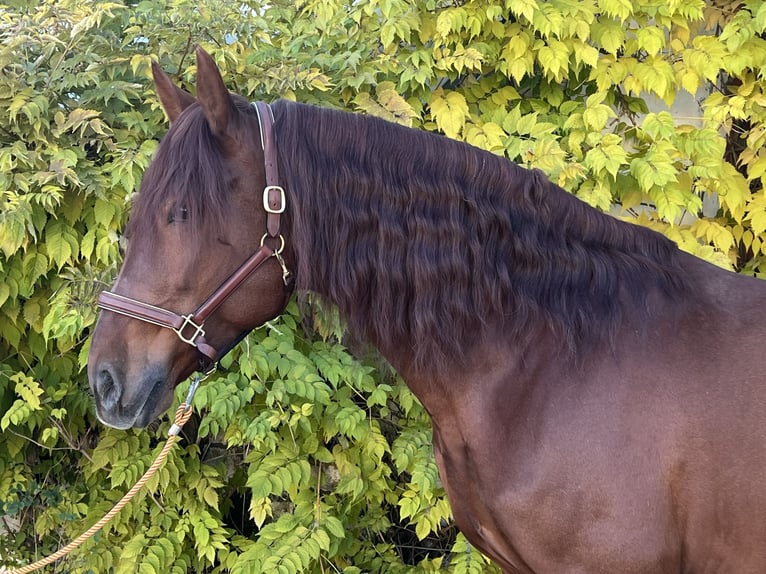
<point>432,243</point>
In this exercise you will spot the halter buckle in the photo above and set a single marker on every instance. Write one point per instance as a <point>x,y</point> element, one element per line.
<point>198,330</point>
<point>267,197</point>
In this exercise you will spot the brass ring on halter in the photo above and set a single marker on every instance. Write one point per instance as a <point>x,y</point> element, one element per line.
<point>281,243</point>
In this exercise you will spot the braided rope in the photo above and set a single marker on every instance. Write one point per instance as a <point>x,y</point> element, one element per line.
<point>182,415</point>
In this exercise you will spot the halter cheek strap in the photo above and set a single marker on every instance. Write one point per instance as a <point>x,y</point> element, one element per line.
<point>190,328</point>
<point>274,202</point>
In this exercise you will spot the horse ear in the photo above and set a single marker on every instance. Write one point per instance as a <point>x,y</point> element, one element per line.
<point>174,100</point>
<point>212,95</point>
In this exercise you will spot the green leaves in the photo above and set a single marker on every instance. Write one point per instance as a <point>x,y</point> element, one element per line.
<point>61,243</point>
<point>29,393</point>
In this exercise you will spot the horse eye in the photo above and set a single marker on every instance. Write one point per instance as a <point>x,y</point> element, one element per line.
<point>183,215</point>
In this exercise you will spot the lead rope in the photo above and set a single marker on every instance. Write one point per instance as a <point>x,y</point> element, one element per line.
<point>183,413</point>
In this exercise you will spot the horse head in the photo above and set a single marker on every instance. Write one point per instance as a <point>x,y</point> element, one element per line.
<point>203,263</point>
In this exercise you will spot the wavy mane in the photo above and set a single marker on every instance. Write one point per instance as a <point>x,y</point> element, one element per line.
<point>431,243</point>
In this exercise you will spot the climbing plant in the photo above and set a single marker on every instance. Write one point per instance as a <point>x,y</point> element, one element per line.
<point>304,457</point>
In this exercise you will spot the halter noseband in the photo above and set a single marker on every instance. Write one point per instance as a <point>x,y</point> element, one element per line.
<point>190,328</point>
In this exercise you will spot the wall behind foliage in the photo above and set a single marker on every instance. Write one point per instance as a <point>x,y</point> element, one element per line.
<point>302,458</point>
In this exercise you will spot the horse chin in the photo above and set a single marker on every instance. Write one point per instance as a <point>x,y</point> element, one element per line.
<point>158,401</point>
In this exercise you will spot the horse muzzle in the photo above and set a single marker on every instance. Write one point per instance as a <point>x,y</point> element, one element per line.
<point>122,407</point>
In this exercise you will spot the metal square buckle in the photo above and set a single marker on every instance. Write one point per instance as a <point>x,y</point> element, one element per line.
<point>198,330</point>
<point>282,201</point>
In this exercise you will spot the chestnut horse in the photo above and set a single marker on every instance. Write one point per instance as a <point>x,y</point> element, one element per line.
<point>597,395</point>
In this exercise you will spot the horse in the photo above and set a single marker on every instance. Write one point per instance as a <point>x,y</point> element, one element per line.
<point>596,394</point>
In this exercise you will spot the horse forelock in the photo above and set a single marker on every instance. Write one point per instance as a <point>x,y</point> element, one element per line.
<point>433,243</point>
<point>187,173</point>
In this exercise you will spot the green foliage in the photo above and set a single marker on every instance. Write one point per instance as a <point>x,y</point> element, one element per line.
<point>304,458</point>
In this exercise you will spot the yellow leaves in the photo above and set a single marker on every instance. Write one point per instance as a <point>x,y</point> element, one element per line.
<point>517,59</point>
<point>757,170</point>
<point>655,168</point>
<point>517,123</point>
<point>604,151</point>
<point>291,78</point>
<point>92,18</point>
<point>15,222</point>
<point>659,125</point>
<point>518,44</point>
<point>609,71</point>
<point>554,59</point>
<point>654,74</point>
<point>651,39</point>
<point>712,232</point>
<point>547,156</point>
<point>609,34</point>
<point>449,20</point>
<point>703,60</point>
<point>467,22</point>
<point>417,69</point>
<point>387,104</point>
<point>81,121</point>
<point>689,80</point>
<point>597,114</point>
<point>502,97</point>
<point>525,8</point>
<point>449,111</point>
<point>323,13</point>
<point>596,193</point>
<point>30,106</point>
<point>733,190</point>
<point>737,31</point>
<point>619,9</point>
<point>751,233</point>
<point>584,53</point>
<point>488,136</point>
<point>141,65</point>
<point>669,188</point>
<point>756,214</point>
<point>399,28</point>
<point>5,292</point>
<point>609,156</point>
<point>548,21</point>
<point>747,239</point>
<point>460,59</point>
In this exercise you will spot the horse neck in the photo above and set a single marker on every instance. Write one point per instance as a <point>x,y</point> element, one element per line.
<point>429,246</point>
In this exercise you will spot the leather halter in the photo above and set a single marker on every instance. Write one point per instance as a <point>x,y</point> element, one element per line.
<point>190,328</point>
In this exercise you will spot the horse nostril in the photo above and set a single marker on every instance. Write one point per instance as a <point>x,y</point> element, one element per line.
<point>107,390</point>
